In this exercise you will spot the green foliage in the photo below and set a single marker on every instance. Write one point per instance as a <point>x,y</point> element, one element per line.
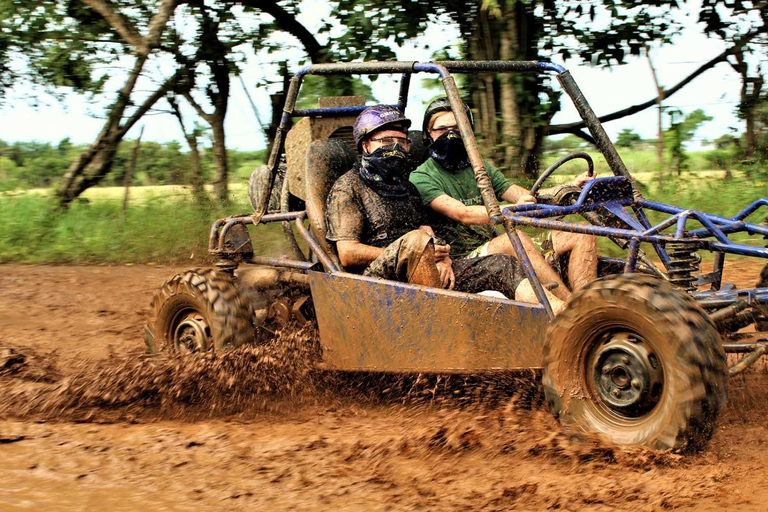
<point>157,230</point>
<point>167,227</point>
<point>25,165</point>
<point>314,87</point>
<point>726,141</point>
<point>720,158</point>
<point>59,43</point>
<point>690,123</point>
<point>568,143</point>
<point>682,130</point>
<point>761,129</point>
<point>628,138</point>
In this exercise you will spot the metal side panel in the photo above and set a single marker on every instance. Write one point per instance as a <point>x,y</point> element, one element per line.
<point>378,325</point>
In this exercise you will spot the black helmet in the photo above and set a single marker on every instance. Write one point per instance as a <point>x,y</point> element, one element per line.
<point>440,105</point>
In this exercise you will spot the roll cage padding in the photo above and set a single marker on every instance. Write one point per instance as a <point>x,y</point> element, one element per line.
<point>327,160</point>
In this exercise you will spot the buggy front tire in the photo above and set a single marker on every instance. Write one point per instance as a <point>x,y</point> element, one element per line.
<point>636,362</point>
<point>198,310</point>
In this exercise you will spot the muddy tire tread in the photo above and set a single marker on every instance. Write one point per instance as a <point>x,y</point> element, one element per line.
<point>226,308</point>
<point>703,355</point>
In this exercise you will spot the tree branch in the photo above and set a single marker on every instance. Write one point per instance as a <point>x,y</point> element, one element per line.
<point>290,24</point>
<point>666,93</point>
<point>142,45</point>
<point>149,102</point>
<point>158,22</point>
<point>584,136</point>
<point>119,23</point>
<point>196,106</point>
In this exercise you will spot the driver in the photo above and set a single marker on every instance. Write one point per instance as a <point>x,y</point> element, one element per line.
<point>376,219</point>
<point>446,183</point>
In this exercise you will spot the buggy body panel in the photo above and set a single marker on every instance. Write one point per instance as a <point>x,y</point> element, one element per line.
<point>379,325</point>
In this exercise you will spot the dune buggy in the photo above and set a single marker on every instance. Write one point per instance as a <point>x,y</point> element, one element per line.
<point>638,356</point>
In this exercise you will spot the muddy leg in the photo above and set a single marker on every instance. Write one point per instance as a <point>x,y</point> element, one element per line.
<point>525,293</point>
<point>409,259</point>
<point>425,272</point>
<point>582,265</point>
<point>502,245</point>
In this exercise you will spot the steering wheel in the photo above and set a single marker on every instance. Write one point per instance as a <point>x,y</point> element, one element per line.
<point>552,168</point>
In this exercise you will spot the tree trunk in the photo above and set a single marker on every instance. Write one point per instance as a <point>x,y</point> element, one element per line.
<point>659,100</point>
<point>130,169</point>
<point>750,100</point>
<point>220,157</point>
<point>277,101</point>
<point>489,80</point>
<point>510,115</point>
<point>751,88</point>
<point>106,142</point>
<point>95,162</point>
<point>196,171</point>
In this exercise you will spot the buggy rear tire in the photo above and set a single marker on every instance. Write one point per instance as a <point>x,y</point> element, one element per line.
<point>636,362</point>
<point>198,310</point>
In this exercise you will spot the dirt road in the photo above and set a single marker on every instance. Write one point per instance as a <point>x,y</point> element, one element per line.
<point>86,423</point>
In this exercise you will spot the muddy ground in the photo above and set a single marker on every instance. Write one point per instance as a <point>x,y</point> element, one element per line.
<point>87,422</point>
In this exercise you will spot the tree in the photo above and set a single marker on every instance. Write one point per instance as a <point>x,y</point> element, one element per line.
<point>659,108</point>
<point>682,130</point>
<point>196,167</point>
<point>217,43</point>
<point>729,21</point>
<point>63,43</point>
<point>513,112</point>
<point>98,18</point>
<point>628,138</point>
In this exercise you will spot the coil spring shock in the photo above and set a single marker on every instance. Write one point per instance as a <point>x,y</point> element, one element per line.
<point>684,262</point>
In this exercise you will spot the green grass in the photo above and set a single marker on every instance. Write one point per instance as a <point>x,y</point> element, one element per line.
<point>141,195</point>
<point>164,225</point>
<point>157,229</point>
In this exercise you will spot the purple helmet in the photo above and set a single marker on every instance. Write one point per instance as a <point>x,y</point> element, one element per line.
<point>375,118</point>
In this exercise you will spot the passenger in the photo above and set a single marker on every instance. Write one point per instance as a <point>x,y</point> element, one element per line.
<point>446,183</point>
<point>376,219</point>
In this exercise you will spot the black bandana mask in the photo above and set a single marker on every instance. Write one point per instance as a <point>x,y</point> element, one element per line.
<point>448,150</point>
<point>386,170</point>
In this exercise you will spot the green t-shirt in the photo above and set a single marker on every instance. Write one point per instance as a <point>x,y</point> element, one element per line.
<point>433,181</point>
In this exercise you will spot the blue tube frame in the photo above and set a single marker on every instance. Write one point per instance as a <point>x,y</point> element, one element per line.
<point>640,229</point>
<point>713,236</point>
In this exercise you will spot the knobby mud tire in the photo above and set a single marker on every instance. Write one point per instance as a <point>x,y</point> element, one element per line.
<point>214,295</point>
<point>695,374</point>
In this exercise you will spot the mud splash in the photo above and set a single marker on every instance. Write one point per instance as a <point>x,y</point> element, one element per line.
<point>445,414</point>
<point>166,386</point>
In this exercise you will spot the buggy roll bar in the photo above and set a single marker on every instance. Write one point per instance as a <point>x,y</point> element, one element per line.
<point>444,70</point>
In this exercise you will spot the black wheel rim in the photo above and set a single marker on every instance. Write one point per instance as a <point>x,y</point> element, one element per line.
<point>624,375</point>
<point>189,331</point>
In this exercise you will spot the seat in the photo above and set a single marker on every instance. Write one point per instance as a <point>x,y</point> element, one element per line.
<point>327,160</point>
<point>418,153</point>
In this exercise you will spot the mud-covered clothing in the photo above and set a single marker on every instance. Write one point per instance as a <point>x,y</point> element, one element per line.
<point>400,259</point>
<point>356,212</point>
<point>495,272</point>
<point>433,181</point>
